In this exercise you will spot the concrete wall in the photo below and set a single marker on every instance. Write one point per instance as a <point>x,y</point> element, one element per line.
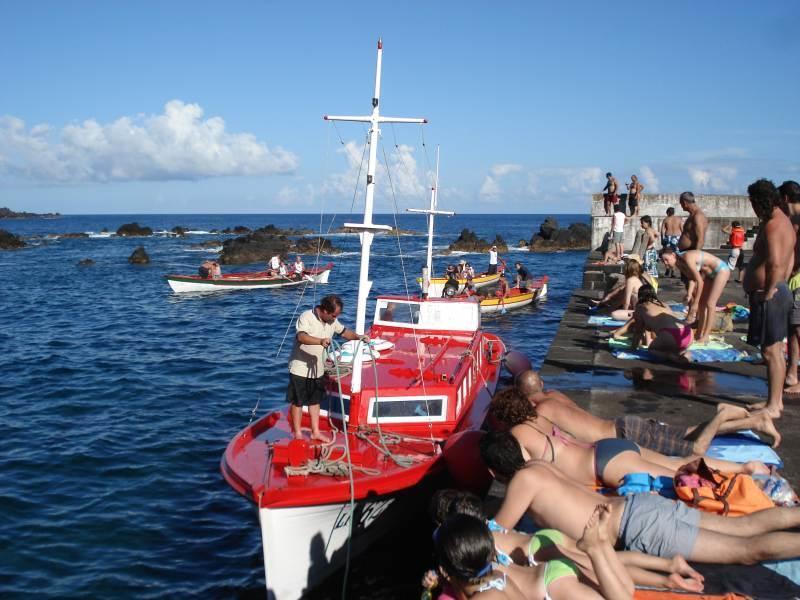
<point>720,210</point>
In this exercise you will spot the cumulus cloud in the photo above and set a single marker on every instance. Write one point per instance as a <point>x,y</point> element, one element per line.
<point>718,179</point>
<point>649,180</point>
<point>178,144</point>
<point>491,189</point>
<point>504,169</point>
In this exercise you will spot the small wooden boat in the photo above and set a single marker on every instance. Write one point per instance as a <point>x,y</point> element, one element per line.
<point>436,287</point>
<point>516,298</point>
<point>246,281</point>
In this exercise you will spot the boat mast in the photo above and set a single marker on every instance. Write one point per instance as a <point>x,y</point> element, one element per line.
<point>432,212</point>
<point>367,229</point>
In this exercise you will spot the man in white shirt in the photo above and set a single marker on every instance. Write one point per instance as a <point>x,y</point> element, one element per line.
<point>315,328</point>
<point>274,263</point>
<point>299,267</point>
<point>618,231</point>
<point>492,260</point>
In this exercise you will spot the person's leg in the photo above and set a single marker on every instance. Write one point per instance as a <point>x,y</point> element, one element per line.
<point>296,418</point>
<point>730,419</point>
<point>313,413</point>
<point>612,577</point>
<point>730,548</point>
<point>791,382</point>
<point>754,524</point>
<point>711,293</point>
<point>776,375</point>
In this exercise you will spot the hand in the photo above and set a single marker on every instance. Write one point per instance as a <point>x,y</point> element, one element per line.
<point>430,580</point>
<point>770,294</point>
<point>324,342</point>
<point>364,339</point>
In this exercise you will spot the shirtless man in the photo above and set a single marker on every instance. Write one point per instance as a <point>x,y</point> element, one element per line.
<point>561,411</point>
<point>644,522</point>
<point>671,231</point>
<point>634,194</point>
<point>610,196</point>
<point>693,234</point>
<point>653,321</point>
<point>790,193</point>
<point>765,283</point>
<point>605,462</point>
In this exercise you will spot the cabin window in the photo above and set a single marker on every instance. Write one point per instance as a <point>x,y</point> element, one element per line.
<point>331,405</point>
<point>398,312</point>
<point>407,409</point>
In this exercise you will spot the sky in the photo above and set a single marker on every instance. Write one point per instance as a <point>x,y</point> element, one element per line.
<point>216,107</point>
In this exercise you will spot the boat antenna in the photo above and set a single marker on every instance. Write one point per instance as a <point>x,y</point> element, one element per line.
<point>368,229</point>
<point>431,212</point>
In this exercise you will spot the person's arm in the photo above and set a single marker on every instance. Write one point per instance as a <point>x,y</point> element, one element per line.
<point>726,229</point>
<point>773,265</point>
<point>310,340</point>
<point>695,288</point>
<point>349,334</point>
<point>622,331</point>
<point>627,301</point>
<point>641,189</point>
<point>664,228</point>
<point>519,496</point>
<point>701,224</point>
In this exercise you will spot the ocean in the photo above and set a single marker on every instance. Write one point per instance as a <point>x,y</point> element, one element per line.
<point>119,397</point>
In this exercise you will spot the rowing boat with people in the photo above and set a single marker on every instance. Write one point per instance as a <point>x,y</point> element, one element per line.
<point>246,280</point>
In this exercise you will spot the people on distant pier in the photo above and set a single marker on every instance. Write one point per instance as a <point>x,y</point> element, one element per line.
<point>618,230</point>
<point>635,189</point>
<point>790,193</point>
<point>694,441</point>
<point>736,238</point>
<point>650,253</point>
<point>771,302</point>
<point>622,298</point>
<point>492,260</point>
<point>644,522</point>
<point>707,276</point>
<point>693,233</point>
<point>671,230</point>
<point>610,194</point>
<point>315,328</point>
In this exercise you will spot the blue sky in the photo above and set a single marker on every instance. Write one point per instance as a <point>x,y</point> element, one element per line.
<point>194,107</point>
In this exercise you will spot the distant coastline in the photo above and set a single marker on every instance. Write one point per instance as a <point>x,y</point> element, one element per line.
<point>7,213</point>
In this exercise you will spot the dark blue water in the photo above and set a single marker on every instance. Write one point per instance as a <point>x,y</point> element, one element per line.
<point>119,397</point>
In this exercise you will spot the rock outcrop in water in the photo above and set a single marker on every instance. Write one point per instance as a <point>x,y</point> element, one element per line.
<point>7,213</point>
<point>207,244</point>
<point>179,231</point>
<point>86,262</point>
<point>9,241</point>
<point>133,230</point>
<point>552,238</point>
<point>139,257</point>
<point>468,241</point>
<point>268,241</point>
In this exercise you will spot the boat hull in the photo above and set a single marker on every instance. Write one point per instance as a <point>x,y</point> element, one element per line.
<point>241,281</point>
<point>519,300</point>
<point>436,287</point>
<point>305,545</point>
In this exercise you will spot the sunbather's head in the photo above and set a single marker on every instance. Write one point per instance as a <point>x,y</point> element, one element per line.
<point>633,268</point>
<point>529,383</point>
<point>464,549</point>
<point>668,257</point>
<point>511,407</point>
<point>647,293</point>
<point>502,454</point>
<point>448,502</point>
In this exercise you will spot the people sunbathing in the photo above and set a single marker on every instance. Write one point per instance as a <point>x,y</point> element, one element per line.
<point>623,297</point>
<point>561,411</point>
<point>644,522</point>
<point>603,462</point>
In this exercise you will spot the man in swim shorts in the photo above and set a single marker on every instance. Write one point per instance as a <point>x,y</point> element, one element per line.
<point>610,196</point>
<point>648,523</point>
<point>765,278</point>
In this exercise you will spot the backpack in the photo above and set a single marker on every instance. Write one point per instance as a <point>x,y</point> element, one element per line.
<point>727,494</point>
<point>737,237</point>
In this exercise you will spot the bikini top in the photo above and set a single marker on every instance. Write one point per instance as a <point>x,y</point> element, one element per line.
<point>564,438</point>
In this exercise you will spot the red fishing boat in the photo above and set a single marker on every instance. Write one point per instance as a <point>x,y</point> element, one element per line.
<point>427,373</point>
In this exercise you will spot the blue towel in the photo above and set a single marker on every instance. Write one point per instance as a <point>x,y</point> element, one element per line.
<point>741,447</point>
<point>789,568</point>
<point>700,355</point>
<point>605,321</point>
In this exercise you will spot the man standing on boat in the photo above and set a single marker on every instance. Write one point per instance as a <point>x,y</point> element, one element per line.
<point>315,328</point>
<point>492,260</point>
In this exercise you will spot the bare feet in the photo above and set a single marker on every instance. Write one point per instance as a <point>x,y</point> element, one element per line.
<point>596,530</point>
<point>758,408</point>
<point>793,388</point>
<point>681,567</point>
<point>318,437</point>
<point>298,435</point>
<point>731,411</point>
<point>755,467</point>
<point>765,425</point>
<point>684,583</point>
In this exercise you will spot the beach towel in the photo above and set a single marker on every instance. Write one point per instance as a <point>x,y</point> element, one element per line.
<point>698,356</point>
<point>789,568</point>
<point>712,344</point>
<point>742,447</point>
<point>605,321</point>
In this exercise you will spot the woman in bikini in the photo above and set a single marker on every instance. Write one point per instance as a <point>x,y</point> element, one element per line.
<point>604,463</point>
<point>600,572</point>
<point>474,567</point>
<point>622,298</point>
<point>707,276</point>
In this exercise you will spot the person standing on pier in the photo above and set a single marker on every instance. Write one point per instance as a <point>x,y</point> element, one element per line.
<point>634,194</point>
<point>790,193</point>
<point>693,233</point>
<point>671,231</point>
<point>765,283</point>
<point>618,231</point>
<point>610,196</point>
<point>315,328</point>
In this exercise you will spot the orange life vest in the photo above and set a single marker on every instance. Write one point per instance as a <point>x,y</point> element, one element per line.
<point>737,237</point>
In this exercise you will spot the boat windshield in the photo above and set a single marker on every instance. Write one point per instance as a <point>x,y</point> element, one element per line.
<point>451,315</point>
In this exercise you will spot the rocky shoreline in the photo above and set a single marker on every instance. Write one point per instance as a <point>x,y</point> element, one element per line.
<point>7,213</point>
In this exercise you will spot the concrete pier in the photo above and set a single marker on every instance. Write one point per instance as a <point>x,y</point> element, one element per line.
<point>580,364</point>
<point>720,210</point>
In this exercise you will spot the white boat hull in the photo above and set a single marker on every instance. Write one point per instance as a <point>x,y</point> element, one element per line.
<point>182,285</point>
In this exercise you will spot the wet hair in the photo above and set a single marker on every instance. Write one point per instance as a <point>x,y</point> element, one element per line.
<point>608,174</point>
<point>790,189</point>
<point>687,198</point>
<point>670,211</point>
<point>464,548</point>
<point>647,293</point>
<point>511,407</point>
<point>647,220</point>
<point>528,382</point>
<point>633,269</point>
<point>501,452</point>
<point>764,197</point>
<point>736,224</point>
<point>448,502</point>
<point>330,303</point>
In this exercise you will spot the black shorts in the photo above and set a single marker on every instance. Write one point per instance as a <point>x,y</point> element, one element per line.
<point>492,269</point>
<point>633,203</point>
<point>769,320</point>
<point>304,391</point>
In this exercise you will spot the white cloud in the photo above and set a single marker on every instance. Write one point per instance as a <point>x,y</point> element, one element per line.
<point>176,145</point>
<point>718,179</point>
<point>649,180</point>
<point>490,189</point>
<point>501,170</point>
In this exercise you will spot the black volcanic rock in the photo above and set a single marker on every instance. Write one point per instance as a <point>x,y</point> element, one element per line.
<point>139,257</point>
<point>207,244</point>
<point>73,235</point>
<point>551,238</point>
<point>178,230</point>
<point>133,230</point>
<point>238,230</point>
<point>268,241</point>
<point>7,213</point>
<point>86,262</point>
<point>468,241</point>
<point>9,241</point>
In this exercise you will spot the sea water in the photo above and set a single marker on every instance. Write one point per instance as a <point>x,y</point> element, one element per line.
<point>118,398</point>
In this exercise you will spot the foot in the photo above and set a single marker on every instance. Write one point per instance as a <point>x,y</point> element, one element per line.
<point>684,357</point>
<point>702,340</point>
<point>731,411</point>
<point>766,425</point>
<point>792,389</point>
<point>678,582</point>
<point>758,408</point>
<point>594,533</point>
<point>790,382</point>
<point>318,437</point>
<point>298,435</point>
<point>755,467</point>
<point>681,567</point>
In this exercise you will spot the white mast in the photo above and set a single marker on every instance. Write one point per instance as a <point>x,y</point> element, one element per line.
<point>432,212</point>
<point>368,228</point>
